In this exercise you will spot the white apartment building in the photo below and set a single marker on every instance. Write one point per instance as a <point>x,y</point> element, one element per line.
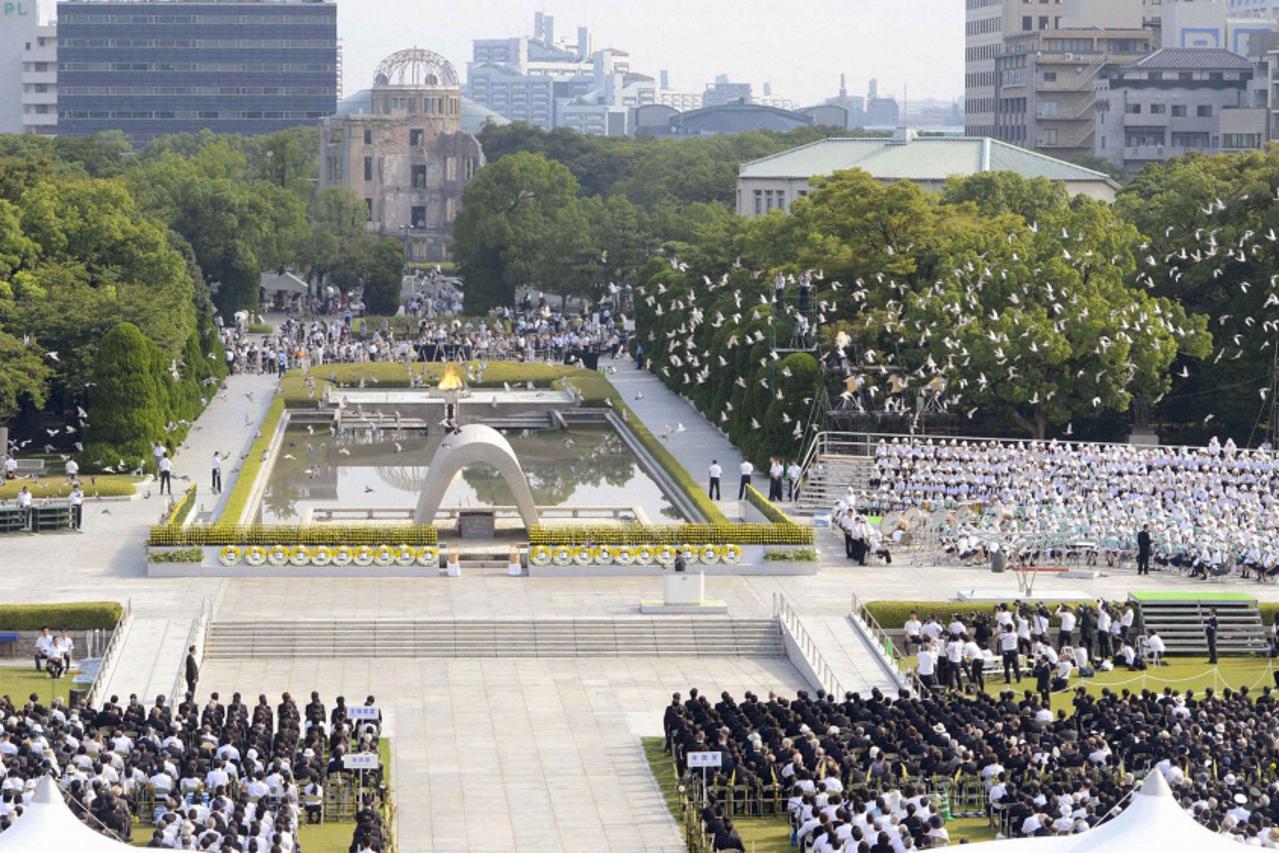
<point>28,69</point>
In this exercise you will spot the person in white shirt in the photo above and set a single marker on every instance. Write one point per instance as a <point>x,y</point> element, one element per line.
<point>1157,648</point>
<point>72,469</point>
<point>44,648</point>
<point>714,473</point>
<point>166,474</point>
<point>63,647</point>
<point>793,473</point>
<point>1065,636</point>
<point>912,630</point>
<point>24,507</point>
<point>1009,653</point>
<point>775,472</point>
<point>745,469</point>
<point>975,657</point>
<point>76,501</point>
<point>10,467</point>
<point>926,665</point>
<point>216,480</point>
<point>954,676</point>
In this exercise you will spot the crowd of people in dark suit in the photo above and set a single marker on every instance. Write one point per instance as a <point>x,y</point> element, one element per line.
<point>854,768</point>
<point>214,777</point>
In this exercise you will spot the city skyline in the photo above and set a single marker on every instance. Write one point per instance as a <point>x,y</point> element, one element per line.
<point>738,46</point>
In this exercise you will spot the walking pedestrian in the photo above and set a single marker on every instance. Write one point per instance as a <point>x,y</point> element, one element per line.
<point>166,473</point>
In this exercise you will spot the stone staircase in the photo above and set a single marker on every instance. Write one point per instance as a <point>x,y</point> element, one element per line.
<point>1180,624</point>
<point>829,478</point>
<point>523,638</point>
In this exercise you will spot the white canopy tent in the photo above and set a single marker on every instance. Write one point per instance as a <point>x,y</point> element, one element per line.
<point>47,824</point>
<point>1152,820</point>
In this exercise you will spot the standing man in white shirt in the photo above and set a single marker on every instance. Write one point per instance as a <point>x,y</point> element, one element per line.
<point>793,473</point>
<point>926,666</point>
<point>24,507</point>
<point>76,500</point>
<point>1008,643</point>
<point>1066,634</point>
<point>746,469</point>
<point>216,483</point>
<point>775,472</point>
<point>715,471</point>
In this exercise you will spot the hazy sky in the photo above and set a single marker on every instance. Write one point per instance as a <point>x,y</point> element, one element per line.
<point>799,46</point>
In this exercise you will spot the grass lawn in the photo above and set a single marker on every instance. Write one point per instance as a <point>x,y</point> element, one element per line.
<point>106,485</point>
<point>19,682</point>
<point>1180,674</point>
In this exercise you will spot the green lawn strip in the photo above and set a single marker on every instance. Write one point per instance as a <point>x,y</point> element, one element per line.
<point>57,486</point>
<point>73,615</point>
<point>251,464</point>
<point>20,681</point>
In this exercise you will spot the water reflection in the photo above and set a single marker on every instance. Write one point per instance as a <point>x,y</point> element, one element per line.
<point>588,466</point>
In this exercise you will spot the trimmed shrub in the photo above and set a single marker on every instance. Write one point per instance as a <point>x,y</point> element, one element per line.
<point>74,616</point>
<point>129,404</point>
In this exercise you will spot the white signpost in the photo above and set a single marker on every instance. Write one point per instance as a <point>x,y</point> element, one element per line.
<point>705,760</point>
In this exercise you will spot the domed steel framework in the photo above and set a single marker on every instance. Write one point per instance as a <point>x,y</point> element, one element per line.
<point>414,68</point>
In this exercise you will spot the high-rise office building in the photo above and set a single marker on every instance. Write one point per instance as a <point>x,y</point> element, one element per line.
<point>151,68</point>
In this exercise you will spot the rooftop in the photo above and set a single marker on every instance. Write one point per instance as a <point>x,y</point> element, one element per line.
<point>1191,59</point>
<point>927,158</point>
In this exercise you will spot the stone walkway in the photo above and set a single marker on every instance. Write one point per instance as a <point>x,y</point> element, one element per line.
<point>700,442</point>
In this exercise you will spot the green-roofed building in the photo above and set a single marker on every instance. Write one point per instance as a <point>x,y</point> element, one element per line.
<point>775,182</point>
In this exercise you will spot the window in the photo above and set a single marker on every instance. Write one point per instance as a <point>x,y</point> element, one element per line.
<point>1133,109</point>
<point>368,168</point>
<point>417,215</point>
<point>1178,110</point>
<point>1027,23</point>
<point>1050,76</point>
<point>759,202</point>
<point>1158,109</point>
<point>419,177</point>
<point>1204,111</point>
<point>368,137</point>
<point>416,136</point>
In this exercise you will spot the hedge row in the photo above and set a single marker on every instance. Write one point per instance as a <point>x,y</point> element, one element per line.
<point>673,534</point>
<point>182,555</point>
<point>756,499</point>
<point>74,616</point>
<point>183,508</point>
<point>166,536</point>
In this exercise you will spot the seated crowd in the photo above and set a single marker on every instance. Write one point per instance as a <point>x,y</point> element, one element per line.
<point>1209,510</point>
<point>856,769</point>
<point>218,777</point>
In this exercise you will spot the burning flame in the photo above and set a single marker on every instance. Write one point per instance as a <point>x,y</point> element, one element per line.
<point>450,380</point>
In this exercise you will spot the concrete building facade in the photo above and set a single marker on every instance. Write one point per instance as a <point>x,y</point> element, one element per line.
<point>987,23</point>
<point>408,157</point>
<point>28,68</point>
<point>1047,85</point>
<point>1178,100</point>
<point>152,68</point>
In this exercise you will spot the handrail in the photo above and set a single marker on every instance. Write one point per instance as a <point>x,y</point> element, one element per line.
<point>862,613</point>
<point>108,654</point>
<point>196,636</point>
<point>788,618</point>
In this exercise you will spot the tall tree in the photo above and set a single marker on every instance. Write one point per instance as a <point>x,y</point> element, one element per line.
<point>520,225</point>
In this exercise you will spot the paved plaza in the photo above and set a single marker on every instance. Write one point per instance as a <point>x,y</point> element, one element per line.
<point>525,755</point>
<point>493,754</point>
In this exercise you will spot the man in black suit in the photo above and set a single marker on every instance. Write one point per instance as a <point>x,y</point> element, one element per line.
<point>192,670</point>
<point>1143,551</point>
<point>1210,632</point>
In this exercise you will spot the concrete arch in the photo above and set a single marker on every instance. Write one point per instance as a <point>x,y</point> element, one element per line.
<point>475,443</point>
